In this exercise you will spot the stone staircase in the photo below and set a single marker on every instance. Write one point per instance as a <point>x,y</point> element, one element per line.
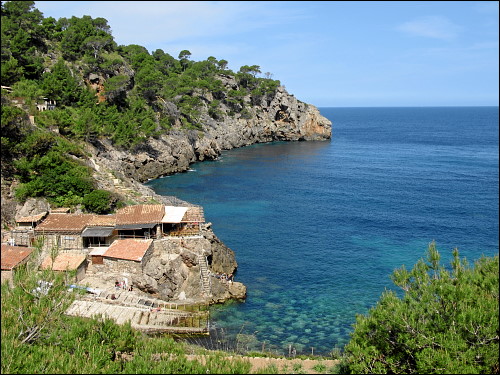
<point>145,314</point>
<point>96,270</point>
<point>206,282</point>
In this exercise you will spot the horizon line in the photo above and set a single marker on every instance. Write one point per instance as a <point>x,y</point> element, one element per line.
<point>405,106</point>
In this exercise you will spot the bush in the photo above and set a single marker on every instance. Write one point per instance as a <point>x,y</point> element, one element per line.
<point>99,201</point>
<point>52,175</point>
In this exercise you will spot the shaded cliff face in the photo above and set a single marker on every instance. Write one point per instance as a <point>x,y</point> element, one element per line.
<point>281,118</point>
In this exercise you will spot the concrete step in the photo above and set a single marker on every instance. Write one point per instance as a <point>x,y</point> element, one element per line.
<point>137,317</point>
<point>125,315</point>
<point>157,320</point>
<point>144,318</point>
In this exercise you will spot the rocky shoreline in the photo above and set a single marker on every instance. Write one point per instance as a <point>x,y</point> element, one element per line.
<point>284,119</point>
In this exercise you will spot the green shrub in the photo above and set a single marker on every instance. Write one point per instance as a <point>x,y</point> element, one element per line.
<point>99,201</point>
<point>447,321</point>
<point>52,175</point>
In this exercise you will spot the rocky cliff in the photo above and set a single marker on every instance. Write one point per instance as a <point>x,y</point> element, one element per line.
<point>280,118</point>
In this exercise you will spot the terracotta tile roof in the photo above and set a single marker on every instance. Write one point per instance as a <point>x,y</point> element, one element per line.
<point>31,219</point>
<point>64,222</point>
<point>14,255</point>
<point>128,249</point>
<point>194,214</point>
<point>63,262</point>
<point>140,214</point>
<point>102,221</point>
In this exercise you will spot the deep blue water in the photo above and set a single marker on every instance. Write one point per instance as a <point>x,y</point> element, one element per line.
<point>318,227</point>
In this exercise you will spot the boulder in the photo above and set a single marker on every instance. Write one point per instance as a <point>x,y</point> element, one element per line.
<point>33,206</point>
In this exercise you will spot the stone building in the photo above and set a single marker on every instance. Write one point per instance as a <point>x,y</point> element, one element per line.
<point>140,221</point>
<point>23,234</point>
<point>97,255</point>
<point>63,231</point>
<point>45,104</point>
<point>128,255</point>
<point>11,258</point>
<point>66,262</point>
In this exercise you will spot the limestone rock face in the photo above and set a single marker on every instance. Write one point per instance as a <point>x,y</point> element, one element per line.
<point>33,207</point>
<point>174,269</point>
<point>227,291</point>
<point>280,118</point>
<point>222,257</point>
<point>237,290</point>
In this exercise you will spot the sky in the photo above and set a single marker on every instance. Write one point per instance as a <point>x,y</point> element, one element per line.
<point>326,53</point>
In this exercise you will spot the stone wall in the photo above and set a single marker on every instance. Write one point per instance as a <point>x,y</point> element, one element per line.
<point>22,237</point>
<point>147,256</point>
<point>122,266</point>
<point>66,241</point>
<point>8,277</point>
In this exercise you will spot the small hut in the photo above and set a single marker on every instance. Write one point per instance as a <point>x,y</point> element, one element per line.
<point>140,221</point>
<point>11,258</point>
<point>128,255</point>
<point>63,231</point>
<point>23,234</point>
<point>65,262</point>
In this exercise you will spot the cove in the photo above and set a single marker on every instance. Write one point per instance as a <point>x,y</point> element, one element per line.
<point>318,227</point>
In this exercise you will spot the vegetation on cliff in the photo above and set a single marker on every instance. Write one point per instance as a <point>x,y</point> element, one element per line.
<point>102,90</point>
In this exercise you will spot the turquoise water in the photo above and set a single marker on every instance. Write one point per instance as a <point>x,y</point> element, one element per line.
<point>318,227</point>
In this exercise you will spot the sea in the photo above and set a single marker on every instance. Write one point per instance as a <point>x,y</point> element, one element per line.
<point>318,227</point>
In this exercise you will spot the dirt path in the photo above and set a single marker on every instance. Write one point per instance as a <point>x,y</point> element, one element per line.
<point>285,366</point>
<point>293,366</point>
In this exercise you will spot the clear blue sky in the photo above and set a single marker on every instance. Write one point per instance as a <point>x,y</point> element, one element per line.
<point>326,53</point>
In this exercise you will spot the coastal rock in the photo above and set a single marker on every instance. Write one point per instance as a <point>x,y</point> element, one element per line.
<point>223,291</point>
<point>281,118</point>
<point>222,258</point>
<point>174,269</point>
<point>237,290</point>
<point>145,283</point>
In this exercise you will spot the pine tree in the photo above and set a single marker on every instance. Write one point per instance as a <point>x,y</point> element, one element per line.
<point>446,322</point>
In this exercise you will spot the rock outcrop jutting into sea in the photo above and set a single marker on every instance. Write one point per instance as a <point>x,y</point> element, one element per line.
<point>283,118</point>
